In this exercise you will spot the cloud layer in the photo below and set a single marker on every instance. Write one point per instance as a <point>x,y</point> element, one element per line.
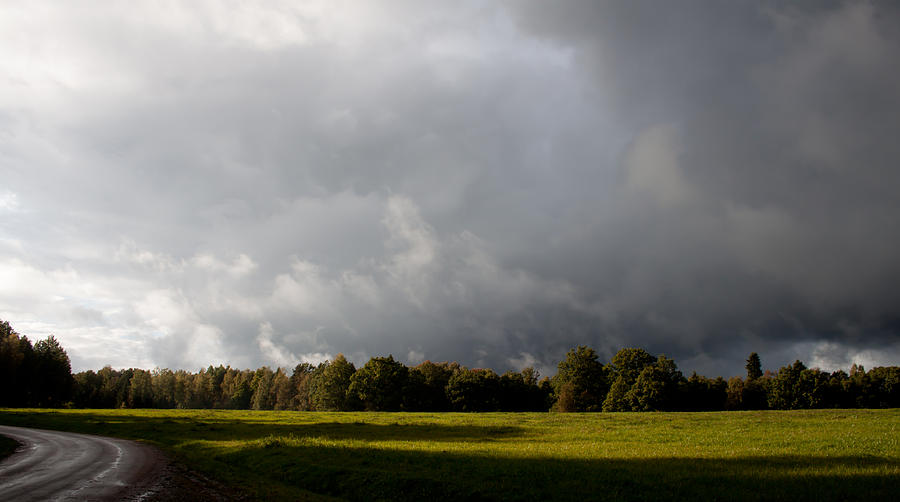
<point>220,182</point>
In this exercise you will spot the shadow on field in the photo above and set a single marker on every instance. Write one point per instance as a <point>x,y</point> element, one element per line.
<point>378,474</point>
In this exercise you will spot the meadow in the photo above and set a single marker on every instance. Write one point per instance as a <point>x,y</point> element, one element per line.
<point>765,455</point>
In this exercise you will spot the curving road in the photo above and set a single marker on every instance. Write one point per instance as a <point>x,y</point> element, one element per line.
<point>67,466</point>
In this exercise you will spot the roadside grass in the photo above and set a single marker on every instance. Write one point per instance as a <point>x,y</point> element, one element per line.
<point>769,455</point>
<point>7,447</point>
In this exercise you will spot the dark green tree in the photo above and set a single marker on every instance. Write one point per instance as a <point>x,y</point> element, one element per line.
<point>585,377</point>
<point>474,390</point>
<point>616,399</point>
<point>811,389</point>
<point>699,393</point>
<point>163,382</point>
<point>380,384</point>
<point>754,366</point>
<point>140,392</point>
<point>86,392</point>
<point>785,392</point>
<point>884,387</point>
<point>53,382</point>
<point>329,387</point>
<point>656,387</point>
<point>629,362</point>
<point>16,367</point>
<point>755,394</point>
<point>427,386</point>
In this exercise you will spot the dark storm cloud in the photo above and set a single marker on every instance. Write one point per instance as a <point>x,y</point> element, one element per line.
<point>780,224</point>
<point>492,184</point>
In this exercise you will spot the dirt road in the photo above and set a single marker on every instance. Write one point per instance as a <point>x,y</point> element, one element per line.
<point>66,466</point>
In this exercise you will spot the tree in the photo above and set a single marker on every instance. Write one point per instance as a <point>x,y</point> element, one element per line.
<point>86,391</point>
<point>474,390</point>
<point>263,395</point>
<point>300,381</point>
<point>140,391</point>
<point>586,378</point>
<point>616,398</point>
<point>16,367</point>
<point>427,386</point>
<point>735,394</point>
<point>237,390</point>
<point>754,367</point>
<point>520,391</point>
<point>629,363</point>
<point>656,387</point>
<point>785,393</point>
<point>53,373</point>
<point>163,382</point>
<point>380,384</point>
<point>215,377</point>
<point>812,388</point>
<point>884,387</point>
<point>329,386</point>
<point>282,391</point>
<point>755,394</point>
<point>699,393</point>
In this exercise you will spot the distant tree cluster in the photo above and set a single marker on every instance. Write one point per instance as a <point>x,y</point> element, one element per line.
<point>633,380</point>
<point>33,375</point>
<point>382,384</point>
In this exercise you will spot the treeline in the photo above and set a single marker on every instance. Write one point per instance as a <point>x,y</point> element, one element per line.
<point>33,375</point>
<point>633,380</point>
<point>382,384</point>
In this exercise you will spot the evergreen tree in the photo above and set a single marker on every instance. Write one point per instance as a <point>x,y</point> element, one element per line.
<point>754,366</point>
<point>53,382</point>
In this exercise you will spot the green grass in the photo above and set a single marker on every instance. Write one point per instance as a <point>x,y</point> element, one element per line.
<point>7,447</point>
<point>798,455</point>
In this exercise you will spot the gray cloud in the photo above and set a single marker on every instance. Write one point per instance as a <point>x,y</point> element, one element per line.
<point>492,184</point>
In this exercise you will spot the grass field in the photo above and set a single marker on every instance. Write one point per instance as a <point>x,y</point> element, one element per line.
<point>800,455</point>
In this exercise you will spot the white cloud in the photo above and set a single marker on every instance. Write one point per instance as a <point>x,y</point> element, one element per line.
<point>240,266</point>
<point>415,357</point>
<point>275,354</point>
<point>9,202</point>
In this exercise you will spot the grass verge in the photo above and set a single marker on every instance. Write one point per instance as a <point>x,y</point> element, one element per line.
<point>7,447</point>
<point>798,455</point>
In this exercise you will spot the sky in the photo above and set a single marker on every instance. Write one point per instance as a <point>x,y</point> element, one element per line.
<point>240,183</point>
